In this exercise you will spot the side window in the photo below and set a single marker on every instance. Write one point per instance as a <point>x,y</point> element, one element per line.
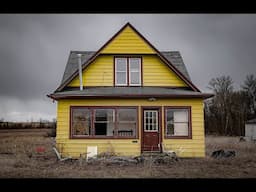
<point>177,122</point>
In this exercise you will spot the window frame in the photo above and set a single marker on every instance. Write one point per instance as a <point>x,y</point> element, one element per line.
<point>92,112</point>
<point>156,123</point>
<point>127,70</point>
<point>189,136</point>
<point>128,73</point>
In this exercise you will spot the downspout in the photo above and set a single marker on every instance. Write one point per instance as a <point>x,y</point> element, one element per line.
<point>80,71</point>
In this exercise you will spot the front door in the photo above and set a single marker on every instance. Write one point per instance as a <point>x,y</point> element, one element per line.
<point>151,134</point>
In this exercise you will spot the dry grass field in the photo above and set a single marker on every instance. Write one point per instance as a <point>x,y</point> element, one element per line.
<point>20,158</point>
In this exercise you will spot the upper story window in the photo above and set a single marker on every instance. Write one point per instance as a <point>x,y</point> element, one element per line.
<point>128,71</point>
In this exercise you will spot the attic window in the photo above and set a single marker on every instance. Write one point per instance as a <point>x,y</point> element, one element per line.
<point>127,71</point>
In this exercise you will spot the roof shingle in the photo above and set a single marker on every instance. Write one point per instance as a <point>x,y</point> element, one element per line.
<point>129,92</point>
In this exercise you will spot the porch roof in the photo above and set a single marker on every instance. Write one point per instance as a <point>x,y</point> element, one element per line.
<point>128,92</point>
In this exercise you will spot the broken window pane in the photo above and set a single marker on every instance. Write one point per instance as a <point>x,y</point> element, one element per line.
<point>103,123</point>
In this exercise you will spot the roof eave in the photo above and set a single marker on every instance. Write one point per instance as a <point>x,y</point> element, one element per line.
<point>57,97</point>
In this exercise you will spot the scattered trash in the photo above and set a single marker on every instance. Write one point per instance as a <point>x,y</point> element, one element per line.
<point>59,155</point>
<point>139,159</point>
<point>242,139</point>
<point>40,149</point>
<point>221,153</point>
<point>165,158</point>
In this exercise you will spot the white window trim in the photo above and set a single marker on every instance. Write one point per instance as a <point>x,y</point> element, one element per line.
<point>155,111</point>
<point>128,72</point>
<point>126,80</point>
<point>139,84</point>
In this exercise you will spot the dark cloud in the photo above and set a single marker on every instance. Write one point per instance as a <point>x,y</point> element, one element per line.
<point>34,49</point>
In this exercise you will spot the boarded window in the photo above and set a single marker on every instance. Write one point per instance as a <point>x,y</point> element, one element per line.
<point>81,121</point>
<point>177,122</point>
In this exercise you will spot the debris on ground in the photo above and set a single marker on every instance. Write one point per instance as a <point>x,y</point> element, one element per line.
<point>242,139</point>
<point>221,153</point>
<point>165,158</point>
<point>58,155</point>
<point>111,159</point>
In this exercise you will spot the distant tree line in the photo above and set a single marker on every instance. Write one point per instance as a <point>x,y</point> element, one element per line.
<point>28,125</point>
<point>227,112</point>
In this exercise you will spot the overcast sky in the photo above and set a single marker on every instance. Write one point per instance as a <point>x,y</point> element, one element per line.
<point>34,49</point>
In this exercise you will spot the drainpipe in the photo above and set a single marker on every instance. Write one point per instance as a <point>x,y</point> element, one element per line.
<point>80,71</point>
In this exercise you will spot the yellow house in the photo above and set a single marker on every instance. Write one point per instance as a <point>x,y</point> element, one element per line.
<point>129,98</point>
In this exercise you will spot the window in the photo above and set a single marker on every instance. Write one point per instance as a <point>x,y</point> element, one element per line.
<point>126,122</point>
<point>121,71</point>
<point>177,122</point>
<point>81,122</point>
<point>134,71</point>
<point>127,71</point>
<point>150,121</point>
<point>104,122</point>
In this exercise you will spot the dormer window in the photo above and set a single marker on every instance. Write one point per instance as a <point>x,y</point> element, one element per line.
<point>127,71</point>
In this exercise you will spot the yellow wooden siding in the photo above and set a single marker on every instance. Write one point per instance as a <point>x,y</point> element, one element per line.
<point>98,73</point>
<point>154,73</point>
<point>128,42</point>
<point>194,147</point>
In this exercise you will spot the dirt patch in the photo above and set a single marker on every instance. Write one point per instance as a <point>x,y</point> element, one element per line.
<point>33,157</point>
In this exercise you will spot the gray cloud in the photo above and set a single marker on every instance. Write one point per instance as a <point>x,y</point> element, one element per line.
<point>34,50</point>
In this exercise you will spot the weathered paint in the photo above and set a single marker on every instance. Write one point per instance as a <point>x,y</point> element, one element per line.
<point>128,42</point>
<point>194,147</point>
<point>154,73</point>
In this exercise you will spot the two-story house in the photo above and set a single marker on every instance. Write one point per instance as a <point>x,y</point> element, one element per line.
<point>129,97</point>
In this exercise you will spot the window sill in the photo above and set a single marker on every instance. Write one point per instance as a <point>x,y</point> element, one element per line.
<point>103,137</point>
<point>178,137</point>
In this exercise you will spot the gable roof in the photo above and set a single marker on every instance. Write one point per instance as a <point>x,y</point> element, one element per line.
<point>161,56</point>
<point>72,64</point>
<point>173,56</point>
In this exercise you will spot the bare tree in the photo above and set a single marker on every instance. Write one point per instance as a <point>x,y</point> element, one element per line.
<point>249,87</point>
<point>223,88</point>
<point>227,112</point>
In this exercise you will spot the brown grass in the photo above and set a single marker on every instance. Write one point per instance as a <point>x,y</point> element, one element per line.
<point>20,159</point>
